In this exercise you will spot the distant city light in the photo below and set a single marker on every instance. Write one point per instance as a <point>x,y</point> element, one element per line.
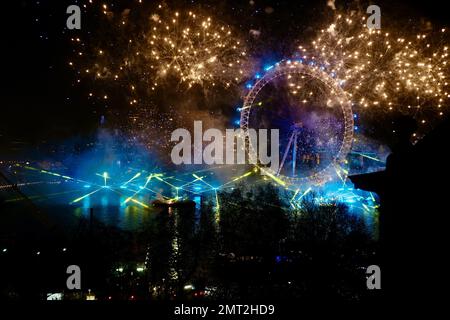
<point>189,287</point>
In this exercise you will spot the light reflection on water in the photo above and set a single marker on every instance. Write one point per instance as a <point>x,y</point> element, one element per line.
<point>111,209</point>
<point>108,207</point>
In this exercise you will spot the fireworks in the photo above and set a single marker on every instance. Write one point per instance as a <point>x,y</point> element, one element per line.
<point>141,59</point>
<point>384,72</point>
<point>173,49</point>
<point>147,60</point>
<point>194,50</point>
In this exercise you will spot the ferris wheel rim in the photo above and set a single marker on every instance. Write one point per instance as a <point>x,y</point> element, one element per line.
<point>315,72</point>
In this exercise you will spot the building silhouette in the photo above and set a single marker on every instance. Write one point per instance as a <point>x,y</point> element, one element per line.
<point>414,196</point>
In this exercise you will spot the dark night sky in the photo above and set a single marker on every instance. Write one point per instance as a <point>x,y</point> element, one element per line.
<point>38,100</point>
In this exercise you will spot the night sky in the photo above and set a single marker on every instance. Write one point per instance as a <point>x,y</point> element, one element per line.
<point>39,100</point>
